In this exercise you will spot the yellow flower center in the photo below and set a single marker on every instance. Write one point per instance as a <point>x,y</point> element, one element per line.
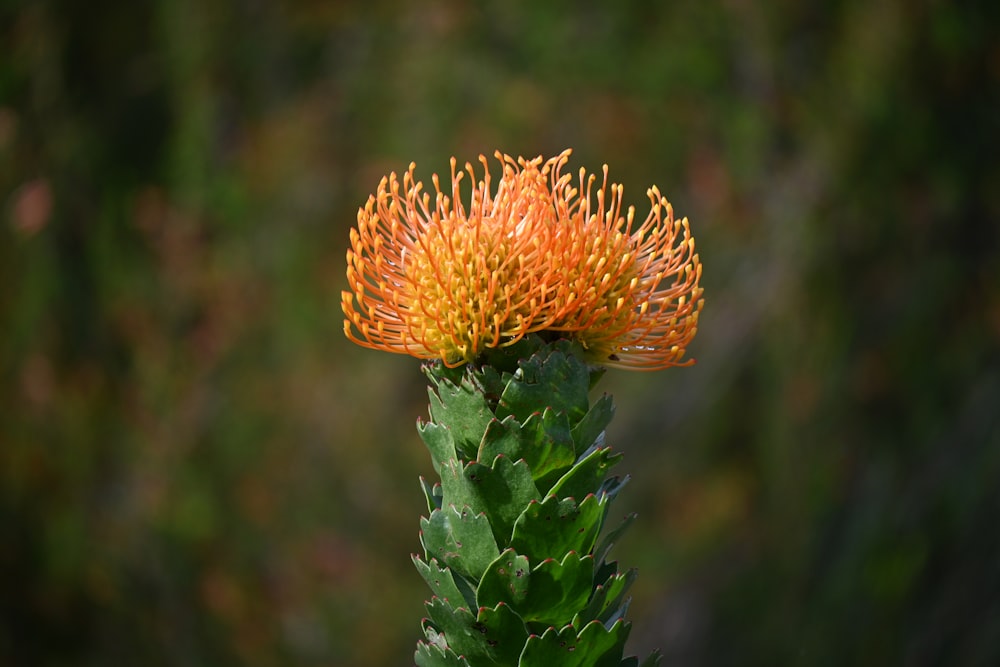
<point>474,280</point>
<point>458,287</point>
<point>599,272</point>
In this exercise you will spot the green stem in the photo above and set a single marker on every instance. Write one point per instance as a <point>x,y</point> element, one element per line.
<point>512,548</point>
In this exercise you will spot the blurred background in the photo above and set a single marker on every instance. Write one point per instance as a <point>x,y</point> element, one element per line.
<point>196,468</point>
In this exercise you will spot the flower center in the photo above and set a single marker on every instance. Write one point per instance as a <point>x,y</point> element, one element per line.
<point>598,300</point>
<point>459,297</point>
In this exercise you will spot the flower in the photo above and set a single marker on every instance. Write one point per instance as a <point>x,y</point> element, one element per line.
<point>434,280</point>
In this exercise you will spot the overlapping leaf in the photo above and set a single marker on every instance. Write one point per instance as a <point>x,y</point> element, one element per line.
<point>543,441</point>
<point>441,581</point>
<point>609,539</point>
<point>501,491</point>
<point>432,492</point>
<point>607,599</point>
<point>553,527</point>
<point>464,411</point>
<point>590,430</point>
<point>439,441</point>
<point>557,380</point>
<point>587,475</point>
<point>496,635</point>
<point>593,646</point>
<point>431,655</point>
<point>550,592</point>
<point>511,538</point>
<point>460,538</point>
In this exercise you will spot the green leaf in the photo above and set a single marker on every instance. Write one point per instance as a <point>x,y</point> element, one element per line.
<point>440,580</point>
<point>549,449</point>
<point>551,592</point>
<point>554,527</point>
<point>505,580</point>
<point>558,589</point>
<point>439,441</point>
<point>615,613</point>
<point>543,441</point>
<point>432,494</point>
<point>490,380</point>
<point>460,538</point>
<point>495,636</point>
<point>437,372</point>
<point>608,597</point>
<point>501,491</point>
<point>503,631</point>
<point>609,539</point>
<point>557,380</point>
<point>507,358</point>
<point>589,431</point>
<point>502,437</point>
<point>596,373</point>
<point>430,655</point>
<point>445,624</point>
<point>610,487</point>
<point>586,476</point>
<point>594,646</point>
<point>464,411</point>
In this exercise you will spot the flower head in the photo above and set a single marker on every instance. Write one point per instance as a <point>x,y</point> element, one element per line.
<point>435,280</point>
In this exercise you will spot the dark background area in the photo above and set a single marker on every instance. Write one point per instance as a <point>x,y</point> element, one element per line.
<point>196,468</point>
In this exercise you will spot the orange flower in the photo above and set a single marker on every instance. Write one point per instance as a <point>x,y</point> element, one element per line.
<point>434,280</point>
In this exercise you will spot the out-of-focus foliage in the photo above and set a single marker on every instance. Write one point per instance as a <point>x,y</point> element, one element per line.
<point>197,469</point>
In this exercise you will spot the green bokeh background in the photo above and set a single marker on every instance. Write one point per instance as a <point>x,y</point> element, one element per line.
<point>196,468</point>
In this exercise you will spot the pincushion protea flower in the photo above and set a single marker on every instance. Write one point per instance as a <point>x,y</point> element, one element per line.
<point>538,286</point>
<point>435,280</point>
